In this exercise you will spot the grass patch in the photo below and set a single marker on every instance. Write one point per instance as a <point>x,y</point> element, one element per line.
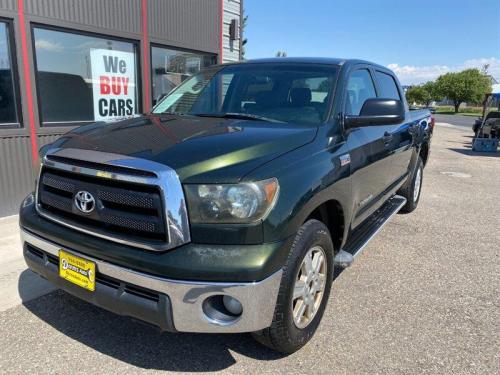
<point>466,111</point>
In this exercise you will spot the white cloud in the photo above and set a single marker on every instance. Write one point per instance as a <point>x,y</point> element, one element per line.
<point>48,45</point>
<point>411,74</point>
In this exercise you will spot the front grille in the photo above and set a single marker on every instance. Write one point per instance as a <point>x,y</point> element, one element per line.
<point>131,211</point>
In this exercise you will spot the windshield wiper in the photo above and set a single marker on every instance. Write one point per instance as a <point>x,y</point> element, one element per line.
<point>242,116</point>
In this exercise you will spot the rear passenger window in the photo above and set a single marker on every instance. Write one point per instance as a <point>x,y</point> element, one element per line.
<point>359,88</point>
<point>387,86</point>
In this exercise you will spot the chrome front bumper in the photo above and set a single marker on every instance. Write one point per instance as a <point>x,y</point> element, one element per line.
<point>186,298</point>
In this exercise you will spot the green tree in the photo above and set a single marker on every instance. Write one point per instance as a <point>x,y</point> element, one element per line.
<point>418,94</point>
<point>434,93</point>
<point>469,85</point>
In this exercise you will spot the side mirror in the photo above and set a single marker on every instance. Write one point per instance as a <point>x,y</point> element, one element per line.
<point>377,111</point>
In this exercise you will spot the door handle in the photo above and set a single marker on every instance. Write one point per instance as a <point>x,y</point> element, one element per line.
<point>387,138</point>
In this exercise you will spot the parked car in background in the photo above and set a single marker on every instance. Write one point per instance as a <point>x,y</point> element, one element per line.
<point>228,207</point>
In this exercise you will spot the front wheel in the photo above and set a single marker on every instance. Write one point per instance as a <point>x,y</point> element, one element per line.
<point>304,290</point>
<point>413,189</point>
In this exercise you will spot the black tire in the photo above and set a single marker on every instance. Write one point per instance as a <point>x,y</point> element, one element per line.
<point>283,335</point>
<point>408,191</point>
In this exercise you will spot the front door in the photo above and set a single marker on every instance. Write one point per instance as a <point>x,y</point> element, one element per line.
<point>398,138</point>
<point>368,148</point>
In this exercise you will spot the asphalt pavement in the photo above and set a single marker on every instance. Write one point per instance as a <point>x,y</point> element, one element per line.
<point>423,298</point>
<point>457,120</point>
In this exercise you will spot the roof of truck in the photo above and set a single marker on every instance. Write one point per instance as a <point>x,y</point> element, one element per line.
<point>307,60</point>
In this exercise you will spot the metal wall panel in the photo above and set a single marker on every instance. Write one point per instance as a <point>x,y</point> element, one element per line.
<point>8,5</point>
<point>16,170</point>
<point>231,48</point>
<point>117,15</point>
<point>16,173</point>
<point>47,138</point>
<point>192,24</point>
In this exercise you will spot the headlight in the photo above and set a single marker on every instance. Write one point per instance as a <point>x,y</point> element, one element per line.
<point>232,203</point>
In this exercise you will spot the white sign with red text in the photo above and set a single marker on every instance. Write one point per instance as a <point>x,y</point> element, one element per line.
<point>113,84</point>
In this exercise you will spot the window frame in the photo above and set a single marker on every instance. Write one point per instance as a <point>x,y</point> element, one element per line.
<point>378,84</point>
<point>73,124</point>
<point>165,46</point>
<point>12,54</point>
<point>328,115</point>
<point>369,69</point>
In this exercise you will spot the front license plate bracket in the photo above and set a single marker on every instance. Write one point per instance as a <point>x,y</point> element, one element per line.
<point>77,270</point>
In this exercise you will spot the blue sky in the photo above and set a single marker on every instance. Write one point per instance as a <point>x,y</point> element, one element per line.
<point>418,39</point>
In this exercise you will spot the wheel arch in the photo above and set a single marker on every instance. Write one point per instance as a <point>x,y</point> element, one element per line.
<point>332,214</point>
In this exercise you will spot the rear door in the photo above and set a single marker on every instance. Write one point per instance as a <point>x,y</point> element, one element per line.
<point>367,147</point>
<point>398,139</point>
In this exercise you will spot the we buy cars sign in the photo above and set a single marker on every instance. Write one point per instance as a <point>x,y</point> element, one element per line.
<point>113,84</point>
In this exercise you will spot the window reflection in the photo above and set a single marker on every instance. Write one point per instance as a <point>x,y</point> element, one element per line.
<point>171,67</point>
<point>8,105</point>
<point>66,86</point>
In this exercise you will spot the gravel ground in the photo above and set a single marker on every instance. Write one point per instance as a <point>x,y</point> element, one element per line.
<point>423,298</point>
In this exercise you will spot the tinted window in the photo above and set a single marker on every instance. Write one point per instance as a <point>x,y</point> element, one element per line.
<point>84,78</point>
<point>170,67</point>
<point>387,86</point>
<point>283,92</point>
<point>359,88</point>
<point>8,103</point>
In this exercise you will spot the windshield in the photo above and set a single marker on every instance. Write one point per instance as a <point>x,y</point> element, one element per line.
<point>290,93</point>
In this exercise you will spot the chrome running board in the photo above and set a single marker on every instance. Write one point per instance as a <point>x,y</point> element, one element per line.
<point>364,233</point>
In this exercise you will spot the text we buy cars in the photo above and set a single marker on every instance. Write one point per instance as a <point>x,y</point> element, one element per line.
<point>113,77</point>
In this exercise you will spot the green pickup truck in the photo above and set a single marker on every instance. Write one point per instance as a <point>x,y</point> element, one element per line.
<point>231,205</point>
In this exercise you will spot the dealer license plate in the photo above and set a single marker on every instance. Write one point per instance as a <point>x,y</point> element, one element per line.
<point>77,270</point>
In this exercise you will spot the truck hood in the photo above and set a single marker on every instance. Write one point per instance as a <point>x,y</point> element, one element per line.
<point>200,149</point>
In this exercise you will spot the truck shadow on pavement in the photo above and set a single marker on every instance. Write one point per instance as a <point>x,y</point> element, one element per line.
<point>468,151</point>
<point>136,343</point>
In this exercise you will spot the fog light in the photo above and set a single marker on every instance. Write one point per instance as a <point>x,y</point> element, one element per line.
<point>232,305</point>
<point>222,310</point>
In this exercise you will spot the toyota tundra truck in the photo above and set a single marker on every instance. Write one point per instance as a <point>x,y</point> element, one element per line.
<point>230,206</point>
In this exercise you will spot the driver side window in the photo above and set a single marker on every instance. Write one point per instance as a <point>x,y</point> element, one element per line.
<point>359,88</point>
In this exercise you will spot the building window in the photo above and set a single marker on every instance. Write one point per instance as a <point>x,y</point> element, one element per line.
<point>171,67</point>
<point>9,106</point>
<point>82,78</point>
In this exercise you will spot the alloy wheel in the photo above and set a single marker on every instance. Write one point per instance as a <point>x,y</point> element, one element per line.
<point>309,286</point>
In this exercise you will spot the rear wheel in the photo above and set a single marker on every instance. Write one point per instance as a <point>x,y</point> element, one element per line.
<point>304,290</point>
<point>413,188</point>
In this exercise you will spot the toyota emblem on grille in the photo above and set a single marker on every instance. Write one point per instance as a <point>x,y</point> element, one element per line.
<point>84,201</point>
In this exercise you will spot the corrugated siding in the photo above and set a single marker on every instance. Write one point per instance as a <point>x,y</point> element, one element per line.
<point>46,139</point>
<point>189,23</point>
<point>17,177</point>
<point>118,15</point>
<point>8,4</point>
<point>16,173</point>
<point>231,48</point>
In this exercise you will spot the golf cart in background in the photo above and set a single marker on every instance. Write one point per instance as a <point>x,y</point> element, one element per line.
<point>487,128</point>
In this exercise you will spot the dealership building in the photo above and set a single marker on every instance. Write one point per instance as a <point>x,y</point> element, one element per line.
<point>66,63</point>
